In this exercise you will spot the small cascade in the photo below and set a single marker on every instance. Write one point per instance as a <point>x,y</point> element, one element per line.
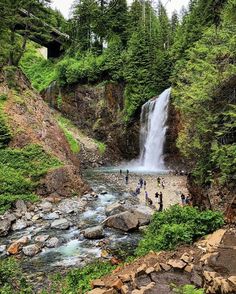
<point>152,132</point>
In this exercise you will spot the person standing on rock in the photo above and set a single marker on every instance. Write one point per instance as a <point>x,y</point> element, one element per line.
<point>141,182</point>
<point>163,183</point>
<point>127,172</point>
<point>146,196</point>
<point>144,185</point>
<point>120,171</point>
<point>182,199</point>
<point>127,179</point>
<point>158,182</point>
<point>160,197</point>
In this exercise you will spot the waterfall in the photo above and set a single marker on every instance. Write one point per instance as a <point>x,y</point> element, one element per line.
<point>152,132</point>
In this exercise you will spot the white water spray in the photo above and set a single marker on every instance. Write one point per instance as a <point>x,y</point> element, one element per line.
<point>152,133</point>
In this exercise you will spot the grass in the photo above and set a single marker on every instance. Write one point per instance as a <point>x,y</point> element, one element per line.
<point>101,147</point>
<point>66,126</point>
<point>20,172</point>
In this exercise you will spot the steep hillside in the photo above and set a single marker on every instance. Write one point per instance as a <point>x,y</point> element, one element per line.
<point>35,154</point>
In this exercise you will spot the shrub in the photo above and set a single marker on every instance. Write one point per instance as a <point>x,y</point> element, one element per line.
<point>78,280</point>
<point>11,278</point>
<point>188,289</point>
<point>20,172</point>
<point>178,225</point>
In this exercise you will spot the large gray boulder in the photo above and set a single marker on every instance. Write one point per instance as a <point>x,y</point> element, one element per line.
<point>69,206</point>
<point>114,208</point>
<point>124,221</point>
<point>5,226</point>
<point>60,224</point>
<point>94,233</point>
<point>52,242</point>
<point>143,214</point>
<point>21,206</point>
<point>31,250</point>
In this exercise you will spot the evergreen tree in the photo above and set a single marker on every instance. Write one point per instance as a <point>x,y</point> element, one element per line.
<point>16,17</point>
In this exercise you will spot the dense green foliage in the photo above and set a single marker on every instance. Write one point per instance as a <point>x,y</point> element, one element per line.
<point>11,278</point>
<point>178,225</point>
<point>188,289</point>
<point>41,72</point>
<point>204,94</point>
<point>20,172</point>
<point>79,280</point>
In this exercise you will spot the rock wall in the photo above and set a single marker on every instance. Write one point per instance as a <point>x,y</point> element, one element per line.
<point>31,122</point>
<point>97,111</point>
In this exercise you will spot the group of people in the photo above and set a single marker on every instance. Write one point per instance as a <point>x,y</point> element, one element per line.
<point>185,200</point>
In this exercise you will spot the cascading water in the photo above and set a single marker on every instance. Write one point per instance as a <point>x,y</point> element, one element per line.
<point>153,130</point>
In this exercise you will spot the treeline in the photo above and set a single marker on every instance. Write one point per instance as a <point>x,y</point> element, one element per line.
<point>113,42</point>
<point>204,84</point>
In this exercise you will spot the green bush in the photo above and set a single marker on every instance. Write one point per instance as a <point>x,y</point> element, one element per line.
<point>178,225</point>
<point>20,172</point>
<point>188,289</point>
<point>11,278</point>
<point>66,126</point>
<point>78,280</point>
<point>40,72</point>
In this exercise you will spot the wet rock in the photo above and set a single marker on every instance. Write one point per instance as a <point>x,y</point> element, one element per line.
<point>68,206</point>
<point>46,206</point>
<point>21,206</point>
<point>14,248</point>
<point>19,225</point>
<point>36,217</point>
<point>51,216</point>
<point>41,238</point>
<point>103,192</point>
<point>94,233</point>
<point>3,248</point>
<point>52,242</point>
<point>124,221</point>
<point>114,208</point>
<point>31,250</point>
<point>60,224</point>
<point>5,226</point>
<point>28,216</point>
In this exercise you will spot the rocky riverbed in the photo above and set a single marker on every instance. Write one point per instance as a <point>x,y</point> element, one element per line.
<point>56,233</point>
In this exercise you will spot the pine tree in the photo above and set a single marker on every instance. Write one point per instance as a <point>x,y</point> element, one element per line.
<point>17,20</point>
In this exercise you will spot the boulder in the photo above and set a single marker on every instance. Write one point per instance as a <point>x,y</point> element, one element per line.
<point>51,216</point>
<point>94,233</point>
<point>60,224</point>
<point>5,226</point>
<point>143,218</point>
<point>124,221</point>
<point>41,238</point>
<point>20,205</point>
<point>69,206</point>
<point>28,215</point>
<point>114,208</point>
<point>177,263</point>
<point>19,225</point>
<point>46,206</point>
<point>3,248</point>
<point>31,250</point>
<point>52,242</point>
<point>16,246</point>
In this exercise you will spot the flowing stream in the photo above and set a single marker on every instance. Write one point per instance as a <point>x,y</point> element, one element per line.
<point>152,132</point>
<point>75,250</point>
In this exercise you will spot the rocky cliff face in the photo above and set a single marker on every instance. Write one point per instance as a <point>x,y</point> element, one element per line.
<point>31,122</point>
<point>97,111</point>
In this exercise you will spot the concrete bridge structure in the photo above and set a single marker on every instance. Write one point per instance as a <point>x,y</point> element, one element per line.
<point>53,44</point>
